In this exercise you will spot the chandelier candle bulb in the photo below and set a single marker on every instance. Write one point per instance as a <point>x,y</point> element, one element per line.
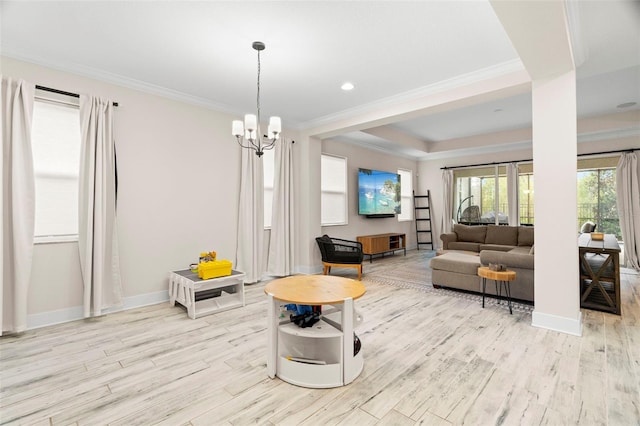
<point>275,124</point>
<point>237,128</point>
<point>250,122</point>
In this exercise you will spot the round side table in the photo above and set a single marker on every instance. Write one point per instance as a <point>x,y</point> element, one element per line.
<point>502,278</point>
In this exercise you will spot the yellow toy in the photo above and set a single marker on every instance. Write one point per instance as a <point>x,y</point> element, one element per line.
<point>209,267</point>
<point>208,257</point>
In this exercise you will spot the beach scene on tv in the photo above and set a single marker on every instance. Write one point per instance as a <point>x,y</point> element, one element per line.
<point>378,192</point>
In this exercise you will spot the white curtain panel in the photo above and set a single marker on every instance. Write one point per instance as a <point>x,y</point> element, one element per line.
<point>18,202</point>
<point>97,228</point>
<point>628,189</point>
<point>447,201</point>
<point>512,194</point>
<point>281,243</point>
<point>249,258</point>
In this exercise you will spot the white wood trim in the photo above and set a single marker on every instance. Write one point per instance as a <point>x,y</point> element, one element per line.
<point>74,313</point>
<point>571,326</point>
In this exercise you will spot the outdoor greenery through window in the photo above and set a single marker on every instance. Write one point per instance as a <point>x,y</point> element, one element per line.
<point>597,200</point>
<point>525,197</point>
<point>476,194</point>
<point>478,198</point>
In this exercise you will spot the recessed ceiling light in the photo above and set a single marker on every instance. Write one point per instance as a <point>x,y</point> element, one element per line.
<point>626,105</point>
<point>347,86</point>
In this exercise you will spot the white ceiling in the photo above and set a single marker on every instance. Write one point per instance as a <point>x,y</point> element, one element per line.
<point>201,52</point>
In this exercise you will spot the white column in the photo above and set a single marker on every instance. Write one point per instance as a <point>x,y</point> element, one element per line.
<point>557,295</point>
<point>540,34</point>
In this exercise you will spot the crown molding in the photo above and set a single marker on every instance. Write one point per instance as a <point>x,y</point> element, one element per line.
<point>622,133</point>
<point>122,81</point>
<point>518,145</point>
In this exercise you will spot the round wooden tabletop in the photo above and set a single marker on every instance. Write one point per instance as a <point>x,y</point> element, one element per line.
<point>507,275</point>
<point>314,289</point>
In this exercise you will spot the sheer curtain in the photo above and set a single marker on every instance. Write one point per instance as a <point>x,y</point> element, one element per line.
<point>281,243</point>
<point>512,194</point>
<point>97,229</point>
<point>250,217</point>
<point>447,201</point>
<point>18,202</point>
<point>628,189</point>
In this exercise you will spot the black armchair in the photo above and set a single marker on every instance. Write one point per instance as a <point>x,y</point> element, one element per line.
<point>340,253</point>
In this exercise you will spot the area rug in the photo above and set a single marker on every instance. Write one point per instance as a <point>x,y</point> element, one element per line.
<point>413,272</point>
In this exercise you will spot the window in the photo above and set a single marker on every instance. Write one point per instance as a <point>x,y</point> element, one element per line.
<point>268,168</point>
<point>333,188</point>
<point>597,200</point>
<point>406,195</point>
<point>56,164</point>
<point>525,195</point>
<point>481,195</point>
<point>476,194</point>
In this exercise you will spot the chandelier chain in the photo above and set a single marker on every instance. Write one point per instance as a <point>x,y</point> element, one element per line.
<point>258,136</point>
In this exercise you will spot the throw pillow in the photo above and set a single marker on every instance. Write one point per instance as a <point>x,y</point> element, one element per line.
<point>531,251</point>
<point>470,234</point>
<point>525,235</point>
<point>502,234</point>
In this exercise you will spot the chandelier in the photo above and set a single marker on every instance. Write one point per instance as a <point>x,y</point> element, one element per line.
<point>248,133</point>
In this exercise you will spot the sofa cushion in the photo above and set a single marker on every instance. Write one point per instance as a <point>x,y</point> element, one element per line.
<point>456,262</point>
<point>525,236</point>
<point>497,247</point>
<point>502,235</point>
<point>471,234</point>
<point>511,260</point>
<point>461,245</point>
<point>532,251</point>
<point>521,250</point>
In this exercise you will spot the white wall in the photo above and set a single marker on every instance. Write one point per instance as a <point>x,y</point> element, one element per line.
<point>358,157</point>
<point>178,175</point>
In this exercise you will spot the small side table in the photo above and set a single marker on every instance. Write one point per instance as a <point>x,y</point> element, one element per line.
<point>502,278</point>
<point>321,356</point>
<point>185,287</point>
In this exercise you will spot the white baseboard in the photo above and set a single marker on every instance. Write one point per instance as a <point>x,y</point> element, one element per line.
<point>75,313</point>
<point>308,270</point>
<point>553,322</point>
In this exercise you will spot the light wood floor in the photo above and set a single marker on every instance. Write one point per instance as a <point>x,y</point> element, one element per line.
<point>430,359</point>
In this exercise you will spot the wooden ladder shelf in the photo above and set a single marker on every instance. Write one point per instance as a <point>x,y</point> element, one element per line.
<point>422,206</point>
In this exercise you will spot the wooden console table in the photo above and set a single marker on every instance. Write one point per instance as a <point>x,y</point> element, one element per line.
<point>323,355</point>
<point>599,265</point>
<point>382,243</point>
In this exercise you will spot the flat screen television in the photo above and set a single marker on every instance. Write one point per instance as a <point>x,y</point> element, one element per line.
<point>378,193</point>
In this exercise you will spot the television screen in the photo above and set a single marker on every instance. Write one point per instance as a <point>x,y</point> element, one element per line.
<point>378,193</point>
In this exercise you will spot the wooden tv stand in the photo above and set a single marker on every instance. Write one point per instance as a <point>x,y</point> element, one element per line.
<point>382,243</point>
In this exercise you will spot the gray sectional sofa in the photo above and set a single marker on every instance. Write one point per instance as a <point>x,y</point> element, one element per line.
<point>468,247</point>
